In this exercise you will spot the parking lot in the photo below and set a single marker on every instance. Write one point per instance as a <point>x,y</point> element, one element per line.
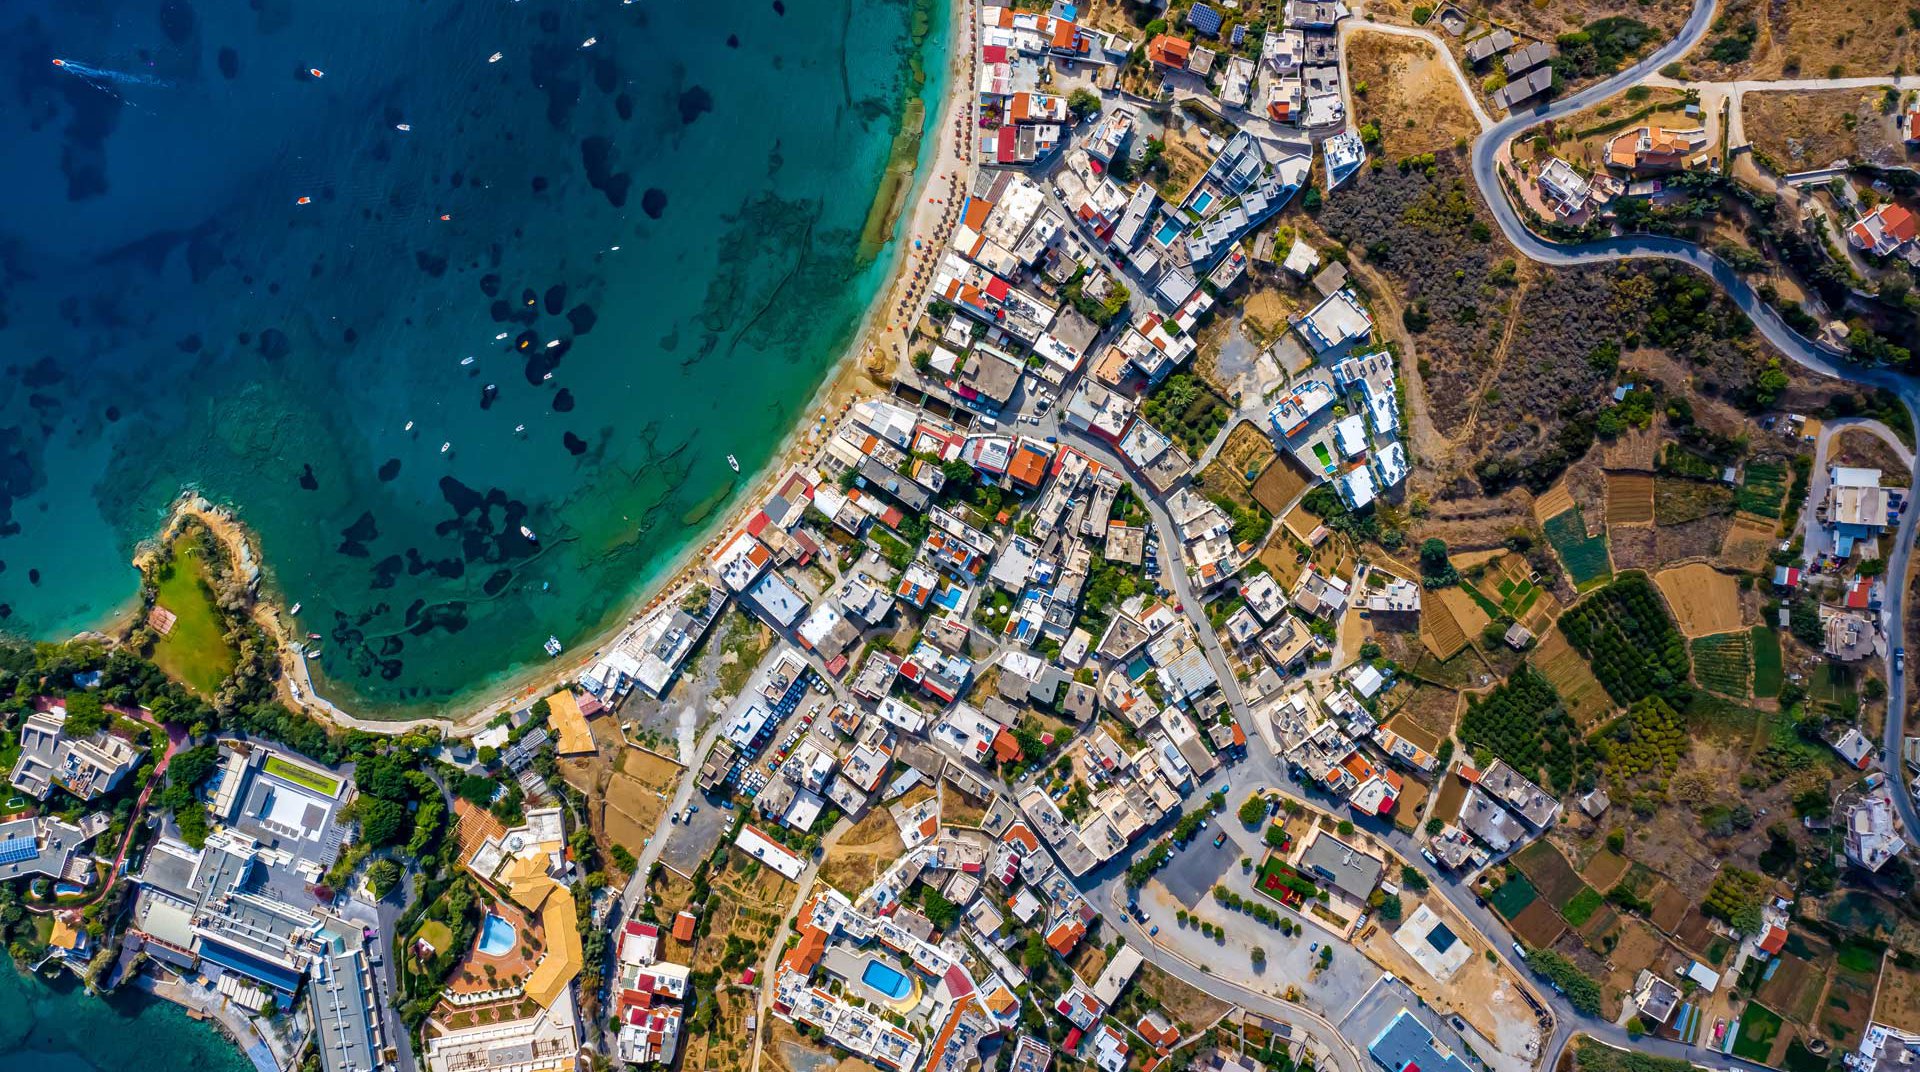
<point>1194,871</point>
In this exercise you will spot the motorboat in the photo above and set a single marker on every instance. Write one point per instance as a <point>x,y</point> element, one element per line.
<point>553,647</point>
<point>733,463</point>
<point>467,360</point>
<point>495,58</point>
<point>295,609</point>
<point>528,533</point>
<point>445,447</point>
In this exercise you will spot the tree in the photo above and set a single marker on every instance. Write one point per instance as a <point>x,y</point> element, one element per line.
<point>1259,956</point>
<point>1083,101</point>
<point>1345,828</point>
<point>382,822</point>
<point>1412,879</point>
<point>383,876</point>
<point>1253,809</point>
<point>85,715</point>
<point>622,859</point>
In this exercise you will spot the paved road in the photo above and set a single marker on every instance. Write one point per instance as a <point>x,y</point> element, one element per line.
<point>1807,353</point>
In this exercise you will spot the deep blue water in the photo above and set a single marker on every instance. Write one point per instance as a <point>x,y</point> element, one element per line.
<point>62,1028</point>
<point>171,316</point>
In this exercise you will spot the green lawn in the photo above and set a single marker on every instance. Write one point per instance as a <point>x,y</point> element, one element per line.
<point>299,775</point>
<point>196,651</point>
<point>435,934</point>
<point>1768,674</point>
<point>1758,1027</point>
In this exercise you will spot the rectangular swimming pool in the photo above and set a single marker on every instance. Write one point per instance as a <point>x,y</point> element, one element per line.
<point>1168,231</point>
<point>1201,201</point>
<point>886,979</point>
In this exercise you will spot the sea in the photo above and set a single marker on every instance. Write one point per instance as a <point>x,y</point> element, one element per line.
<point>60,1027</point>
<point>396,278</point>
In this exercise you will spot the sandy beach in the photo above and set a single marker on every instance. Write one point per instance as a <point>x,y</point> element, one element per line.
<point>934,201</point>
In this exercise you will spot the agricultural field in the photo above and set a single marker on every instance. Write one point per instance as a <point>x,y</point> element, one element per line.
<point>1550,874</point>
<point>1763,486</point>
<point>1769,673</point>
<point>1626,636</point>
<point>1759,1027</point>
<point>1234,471</point>
<point>1749,542</point>
<point>1523,722</point>
<point>1440,631</point>
<point>1586,699</point>
<point>1629,498</point>
<point>1584,555</point>
<point>1703,599</point>
<point>1722,663</point>
<point>1677,501</point>
<point>1512,897</point>
<point>1648,741</point>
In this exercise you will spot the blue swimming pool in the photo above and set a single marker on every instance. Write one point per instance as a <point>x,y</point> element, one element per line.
<point>1168,231</point>
<point>497,936</point>
<point>886,979</point>
<point>1201,202</point>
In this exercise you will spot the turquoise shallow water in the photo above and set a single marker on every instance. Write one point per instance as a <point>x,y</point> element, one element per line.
<point>171,317</point>
<point>62,1028</point>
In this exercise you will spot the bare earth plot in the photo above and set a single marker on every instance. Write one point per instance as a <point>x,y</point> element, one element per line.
<point>1605,870</point>
<point>1898,1001</point>
<point>862,853</point>
<point>1861,449</point>
<point>1803,130</point>
<point>1703,599</point>
<point>1410,92</point>
<point>1807,39</point>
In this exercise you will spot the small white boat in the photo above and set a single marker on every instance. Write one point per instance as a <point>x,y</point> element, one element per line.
<point>733,463</point>
<point>528,533</point>
<point>316,72</point>
<point>553,646</point>
<point>408,428</point>
<point>590,42</point>
<point>467,360</point>
<point>295,609</point>
<point>495,58</point>
<point>500,336</point>
<point>551,343</point>
<point>313,652</point>
<point>518,428</point>
<point>403,127</point>
<point>445,447</point>
<point>313,636</point>
<point>547,377</point>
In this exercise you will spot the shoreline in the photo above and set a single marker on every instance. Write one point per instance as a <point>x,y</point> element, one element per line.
<point>863,369</point>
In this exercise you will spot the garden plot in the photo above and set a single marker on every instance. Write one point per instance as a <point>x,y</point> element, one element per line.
<point>1722,663</point>
<point>1703,599</point>
<point>1586,699</point>
<point>1583,554</point>
<point>1762,488</point>
<point>1676,501</point>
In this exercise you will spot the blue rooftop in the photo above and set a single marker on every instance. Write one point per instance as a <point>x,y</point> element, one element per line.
<point>1239,35</point>
<point>1205,19</point>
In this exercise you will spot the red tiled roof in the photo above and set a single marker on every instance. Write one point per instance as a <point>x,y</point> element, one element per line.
<point>1169,51</point>
<point>993,53</point>
<point>1899,223</point>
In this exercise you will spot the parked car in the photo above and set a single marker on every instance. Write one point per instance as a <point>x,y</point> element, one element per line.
<point>1218,838</point>
<point>1155,929</point>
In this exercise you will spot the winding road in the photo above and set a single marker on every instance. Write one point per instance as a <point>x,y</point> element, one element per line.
<point>1808,354</point>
